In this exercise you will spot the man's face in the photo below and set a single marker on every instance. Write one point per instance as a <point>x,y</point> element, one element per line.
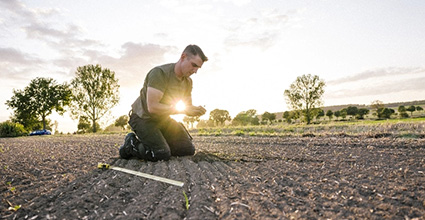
<point>191,64</point>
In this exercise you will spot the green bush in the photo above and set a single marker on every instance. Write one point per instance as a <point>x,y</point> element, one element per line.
<point>404,115</point>
<point>11,129</point>
<point>238,133</point>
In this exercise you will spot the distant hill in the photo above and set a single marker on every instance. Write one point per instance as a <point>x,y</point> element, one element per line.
<point>339,107</point>
<point>397,104</point>
<point>394,105</point>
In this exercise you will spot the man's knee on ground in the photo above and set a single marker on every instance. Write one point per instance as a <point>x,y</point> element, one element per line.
<point>162,154</point>
<point>183,148</point>
<point>190,150</point>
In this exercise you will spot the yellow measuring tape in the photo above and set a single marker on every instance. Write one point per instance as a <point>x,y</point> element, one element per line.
<point>137,173</point>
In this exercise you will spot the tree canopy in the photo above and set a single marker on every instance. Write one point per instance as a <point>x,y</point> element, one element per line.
<point>219,116</point>
<point>94,92</point>
<point>121,122</point>
<point>38,100</point>
<point>329,113</point>
<point>83,124</point>
<point>305,94</point>
<point>376,105</point>
<point>269,117</point>
<point>190,120</point>
<point>362,112</point>
<point>385,113</point>
<point>411,109</point>
<point>246,118</point>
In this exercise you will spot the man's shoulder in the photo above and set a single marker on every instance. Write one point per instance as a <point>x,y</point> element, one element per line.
<point>161,71</point>
<point>167,68</point>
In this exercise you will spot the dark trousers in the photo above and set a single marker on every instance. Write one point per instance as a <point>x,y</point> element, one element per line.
<point>161,139</point>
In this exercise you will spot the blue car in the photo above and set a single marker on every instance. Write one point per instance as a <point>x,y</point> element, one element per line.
<point>41,132</point>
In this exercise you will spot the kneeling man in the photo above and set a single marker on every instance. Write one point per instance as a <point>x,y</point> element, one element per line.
<point>157,136</point>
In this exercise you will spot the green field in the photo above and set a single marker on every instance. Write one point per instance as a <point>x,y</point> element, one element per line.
<point>409,128</point>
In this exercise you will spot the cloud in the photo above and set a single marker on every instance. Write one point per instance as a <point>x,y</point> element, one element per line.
<point>43,32</point>
<point>17,12</point>
<point>65,40</point>
<point>379,82</point>
<point>15,6</point>
<point>135,61</point>
<point>237,2</point>
<point>16,65</point>
<point>71,48</point>
<point>382,72</point>
<point>14,56</point>
<point>262,31</point>
<point>40,24</point>
<point>130,66</point>
<point>69,42</point>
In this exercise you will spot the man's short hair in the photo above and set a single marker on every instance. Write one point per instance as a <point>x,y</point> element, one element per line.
<point>195,50</point>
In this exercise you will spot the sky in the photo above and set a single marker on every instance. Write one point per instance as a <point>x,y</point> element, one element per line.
<point>364,50</point>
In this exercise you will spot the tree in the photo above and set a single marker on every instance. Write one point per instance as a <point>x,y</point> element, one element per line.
<point>361,112</point>
<point>419,108</point>
<point>343,113</point>
<point>411,109</point>
<point>287,116</point>
<point>38,100</point>
<point>190,120</point>
<point>385,113</point>
<point>329,113</point>
<point>83,124</point>
<point>376,105</point>
<point>305,94</point>
<point>122,121</point>
<point>94,93</point>
<point>319,113</point>
<point>402,111</point>
<point>28,120</point>
<point>352,110</point>
<point>205,123</point>
<point>337,114</point>
<point>245,118</point>
<point>255,120</point>
<point>219,116</point>
<point>267,116</point>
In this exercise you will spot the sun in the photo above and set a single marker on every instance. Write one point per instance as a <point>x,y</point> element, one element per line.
<point>180,106</point>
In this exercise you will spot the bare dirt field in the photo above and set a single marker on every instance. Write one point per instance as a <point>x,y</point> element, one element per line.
<point>336,177</point>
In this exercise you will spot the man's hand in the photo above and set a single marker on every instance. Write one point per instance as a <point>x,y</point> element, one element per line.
<point>195,110</point>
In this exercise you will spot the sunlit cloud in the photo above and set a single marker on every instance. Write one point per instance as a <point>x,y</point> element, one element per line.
<point>12,55</point>
<point>64,41</point>
<point>15,64</point>
<point>382,72</point>
<point>237,2</point>
<point>73,49</point>
<point>135,61</point>
<point>378,82</point>
<point>262,31</point>
<point>17,9</point>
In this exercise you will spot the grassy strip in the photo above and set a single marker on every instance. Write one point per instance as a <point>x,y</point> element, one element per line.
<point>409,128</point>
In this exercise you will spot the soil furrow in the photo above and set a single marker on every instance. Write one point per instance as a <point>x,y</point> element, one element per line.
<point>229,178</point>
<point>201,197</point>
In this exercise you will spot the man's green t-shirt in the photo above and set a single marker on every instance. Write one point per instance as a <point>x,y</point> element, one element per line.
<point>164,79</point>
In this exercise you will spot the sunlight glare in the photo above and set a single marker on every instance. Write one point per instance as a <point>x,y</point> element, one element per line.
<point>180,106</point>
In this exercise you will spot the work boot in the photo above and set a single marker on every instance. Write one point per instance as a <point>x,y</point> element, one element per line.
<point>126,150</point>
<point>139,151</point>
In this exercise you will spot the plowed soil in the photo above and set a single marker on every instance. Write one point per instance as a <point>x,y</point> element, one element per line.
<point>344,177</point>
